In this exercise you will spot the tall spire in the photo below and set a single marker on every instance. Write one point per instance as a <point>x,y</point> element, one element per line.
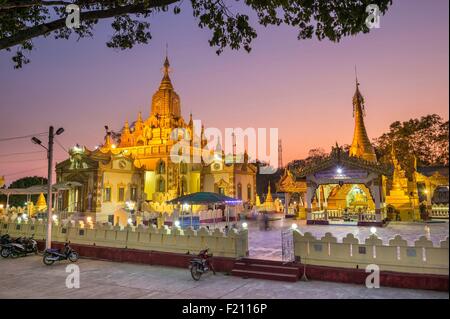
<point>166,83</point>
<point>361,146</point>
<point>165,101</point>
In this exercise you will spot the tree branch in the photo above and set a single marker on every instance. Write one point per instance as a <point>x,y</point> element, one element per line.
<point>26,4</point>
<point>42,29</point>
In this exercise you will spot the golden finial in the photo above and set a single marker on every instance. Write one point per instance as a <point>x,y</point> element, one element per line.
<point>166,61</point>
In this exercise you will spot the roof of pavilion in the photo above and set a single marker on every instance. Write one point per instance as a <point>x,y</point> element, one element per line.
<point>339,157</point>
<point>432,170</point>
<point>37,189</point>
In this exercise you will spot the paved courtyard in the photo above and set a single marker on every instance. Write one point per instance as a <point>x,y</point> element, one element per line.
<point>267,244</point>
<point>28,277</point>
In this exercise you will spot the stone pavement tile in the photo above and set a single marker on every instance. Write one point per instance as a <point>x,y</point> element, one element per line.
<point>215,286</point>
<point>29,278</point>
<point>325,290</point>
<point>140,277</point>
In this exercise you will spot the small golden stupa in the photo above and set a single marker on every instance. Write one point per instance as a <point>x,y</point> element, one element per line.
<point>269,198</point>
<point>269,205</point>
<point>258,201</point>
<point>41,204</point>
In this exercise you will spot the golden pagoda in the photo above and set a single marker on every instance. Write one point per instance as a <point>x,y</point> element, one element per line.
<point>361,146</point>
<point>270,205</point>
<point>269,198</point>
<point>258,201</point>
<point>150,161</point>
<point>406,205</point>
<point>41,204</point>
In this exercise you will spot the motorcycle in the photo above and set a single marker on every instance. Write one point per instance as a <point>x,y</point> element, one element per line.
<point>201,265</point>
<point>67,253</point>
<point>5,242</point>
<point>22,246</point>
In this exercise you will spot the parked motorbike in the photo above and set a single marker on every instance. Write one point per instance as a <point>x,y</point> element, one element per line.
<point>67,253</point>
<point>21,246</point>
<point>201,264</point>
<point>5,242</point>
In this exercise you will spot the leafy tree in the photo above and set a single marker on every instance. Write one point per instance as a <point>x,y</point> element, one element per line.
<point>23,20</point>
<point>315,155</point>
<point>425,138</point>
<point>25,182</point>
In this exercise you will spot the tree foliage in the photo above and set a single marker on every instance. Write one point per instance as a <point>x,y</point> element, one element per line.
<point>24,182</point>
<point>229,22</point>
<point>315,156</point>
<point>422,140</point>
<point>425,138</point>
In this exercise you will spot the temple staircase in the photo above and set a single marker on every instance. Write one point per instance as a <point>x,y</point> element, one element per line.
<point>266,269</point>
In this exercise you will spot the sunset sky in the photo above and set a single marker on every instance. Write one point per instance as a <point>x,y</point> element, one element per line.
<point>304,88</point>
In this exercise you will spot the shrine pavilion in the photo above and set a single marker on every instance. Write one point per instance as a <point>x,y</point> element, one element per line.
<point>355,188</point>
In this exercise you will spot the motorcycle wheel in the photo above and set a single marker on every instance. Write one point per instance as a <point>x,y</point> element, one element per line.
<point>14,254</point>
<point>47,260</point>
<point>73,257</point>
<point>5,252</point>
<point>195,273</point>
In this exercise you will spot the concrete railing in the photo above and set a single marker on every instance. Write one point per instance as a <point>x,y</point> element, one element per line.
<point>397,256</point>
<point>319,216</point>
<point>439,211</point>
<point>334,213</point>
<point>175,240</point>
<point>367,217</point>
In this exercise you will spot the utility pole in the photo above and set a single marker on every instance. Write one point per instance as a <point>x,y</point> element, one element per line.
<point>49,148</point>
<point>48,242</point>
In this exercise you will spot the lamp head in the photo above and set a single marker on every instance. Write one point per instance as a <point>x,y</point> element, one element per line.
<point>35,140</point>
<point>59,131</point>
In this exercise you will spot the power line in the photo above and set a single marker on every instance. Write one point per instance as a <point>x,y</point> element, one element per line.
<point>60,145</point>
<point>23,161</point>
<point>26,171</point>
<point>20,137</point>
<point>20,153</point>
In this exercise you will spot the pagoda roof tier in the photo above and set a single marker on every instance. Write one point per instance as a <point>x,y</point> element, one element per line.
<point>339,157</point>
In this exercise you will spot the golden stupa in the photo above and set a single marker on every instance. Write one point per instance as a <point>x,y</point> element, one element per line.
<point>361,146</point>
<point>258,201</point>
<point>269,205</point>
<point>41,204</point>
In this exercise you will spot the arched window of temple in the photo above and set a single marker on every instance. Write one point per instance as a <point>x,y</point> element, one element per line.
<point>161,185</point>
<point>184,185</point>
<point>183,168</point>
<point>239,191</point>
<point>133,193</point>
<point>249,192</point>
<point>140,142</point>
<point>161,167</point>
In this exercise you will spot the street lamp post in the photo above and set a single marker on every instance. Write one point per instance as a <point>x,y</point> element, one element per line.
<point>51,135</point>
